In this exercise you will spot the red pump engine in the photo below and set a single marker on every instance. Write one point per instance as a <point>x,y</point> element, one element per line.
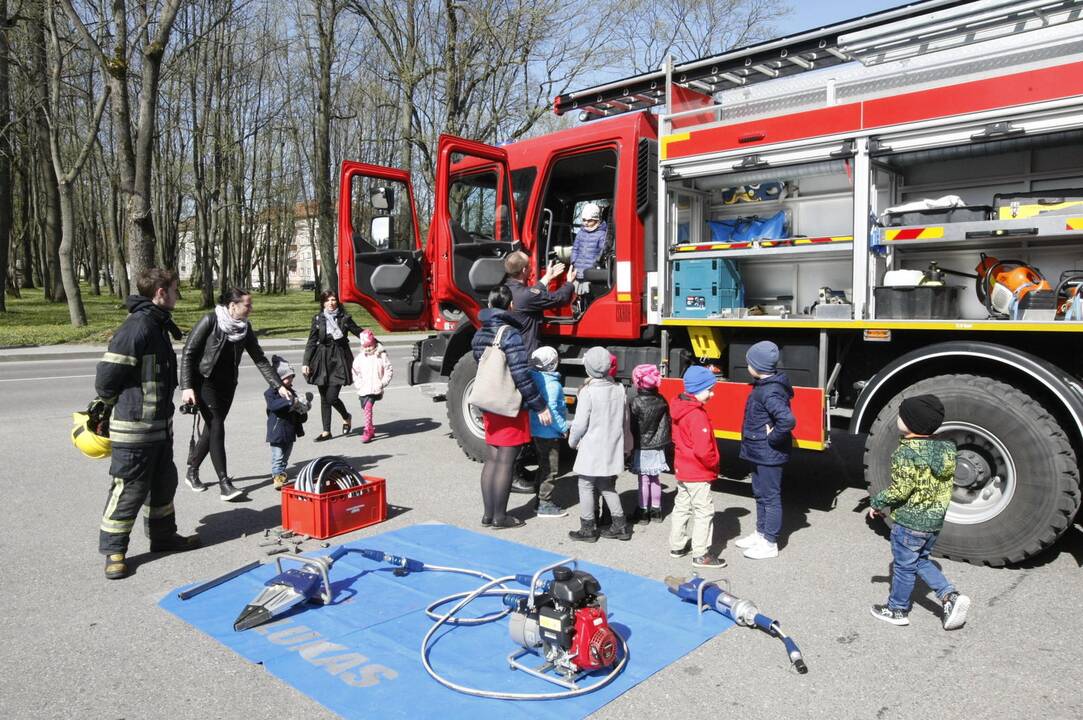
<point>594,645</point>
<point>567,624</point>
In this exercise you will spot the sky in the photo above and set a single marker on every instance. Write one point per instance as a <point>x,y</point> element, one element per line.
<point>816,13</point>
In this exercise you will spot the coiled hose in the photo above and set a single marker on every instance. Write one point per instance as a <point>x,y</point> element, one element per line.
<point>327,473</point>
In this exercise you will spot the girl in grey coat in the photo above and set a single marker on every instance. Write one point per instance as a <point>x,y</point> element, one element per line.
<point>602,434</point>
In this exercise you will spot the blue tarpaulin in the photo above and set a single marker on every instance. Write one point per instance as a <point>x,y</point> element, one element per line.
<point>359,656</point>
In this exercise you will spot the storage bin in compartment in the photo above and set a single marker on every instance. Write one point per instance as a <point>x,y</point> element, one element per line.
<point>336,512</point>
<point>924,302</point>
<point>1067,201</point>
<point>798,358</point>
<point>938,216</point>
<point>703,287</point>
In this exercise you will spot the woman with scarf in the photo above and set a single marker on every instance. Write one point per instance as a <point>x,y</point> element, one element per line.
<point>328,360</point>
<point>208,375</point>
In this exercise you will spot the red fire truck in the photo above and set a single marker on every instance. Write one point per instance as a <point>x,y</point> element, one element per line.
<point>894,200</point>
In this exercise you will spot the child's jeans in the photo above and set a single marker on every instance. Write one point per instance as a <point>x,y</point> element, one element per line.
<point>280,457</point>
<point>548,450</point>
<point>910,549</point>
<point>693,502</point>
<point>605,485</point>
<point>767,487</point>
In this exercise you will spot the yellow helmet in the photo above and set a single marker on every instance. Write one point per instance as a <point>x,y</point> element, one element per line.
<point>89,443</point>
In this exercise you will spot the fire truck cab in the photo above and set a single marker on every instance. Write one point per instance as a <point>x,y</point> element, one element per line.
<point>894,200</point>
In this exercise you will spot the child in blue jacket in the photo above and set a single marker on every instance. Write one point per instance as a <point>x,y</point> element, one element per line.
<point>766,443</point>
<point>547,438</point>
<point>285,420</point>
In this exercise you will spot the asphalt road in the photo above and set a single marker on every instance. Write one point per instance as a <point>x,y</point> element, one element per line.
<point>78,646</point>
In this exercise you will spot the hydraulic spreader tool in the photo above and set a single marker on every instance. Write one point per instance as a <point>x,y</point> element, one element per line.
<point>706,594</point>
<point>560,618</point>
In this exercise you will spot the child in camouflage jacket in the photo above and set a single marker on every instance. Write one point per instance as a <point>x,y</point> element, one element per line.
<point>922,473</point>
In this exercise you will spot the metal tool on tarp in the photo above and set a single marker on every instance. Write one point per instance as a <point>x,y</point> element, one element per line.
<point>308,583</point>
<point>708,595</point>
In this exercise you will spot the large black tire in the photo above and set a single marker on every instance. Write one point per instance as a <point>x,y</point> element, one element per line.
<point>1017,481</point>
<point>465,426</point>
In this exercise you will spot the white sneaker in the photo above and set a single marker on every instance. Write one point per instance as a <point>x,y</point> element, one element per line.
<point>749,541</point>
<point>762,551</point>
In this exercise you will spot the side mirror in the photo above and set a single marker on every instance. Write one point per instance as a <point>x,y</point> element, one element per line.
<point>382,198</point>
<point>381,232</point>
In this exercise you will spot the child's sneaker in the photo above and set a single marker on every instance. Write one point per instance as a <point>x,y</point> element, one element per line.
<point>749,540</point>
<point>895,617</point>
<point>279,481</point>
<point>762,551</point>
<point>707,560</point>
<point>547,509</point>
<point>955,607</point>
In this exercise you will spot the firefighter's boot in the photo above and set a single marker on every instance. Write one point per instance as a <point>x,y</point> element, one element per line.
<point>176,543</point>
<point>115,566</point>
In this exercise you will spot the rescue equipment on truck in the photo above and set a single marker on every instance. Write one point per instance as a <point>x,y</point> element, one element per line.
<point>1014,289</point>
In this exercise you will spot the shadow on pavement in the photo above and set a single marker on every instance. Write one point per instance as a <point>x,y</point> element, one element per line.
<point>232,521</point>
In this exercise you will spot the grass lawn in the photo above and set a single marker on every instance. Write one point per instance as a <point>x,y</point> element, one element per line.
<point>31,320</point>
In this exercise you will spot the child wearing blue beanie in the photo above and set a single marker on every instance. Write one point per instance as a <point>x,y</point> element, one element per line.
<point>766,442</point>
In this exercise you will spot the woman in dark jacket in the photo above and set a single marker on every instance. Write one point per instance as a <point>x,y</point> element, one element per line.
<point>328,360</point>
<point>504,435</point>
<point>209,379</point>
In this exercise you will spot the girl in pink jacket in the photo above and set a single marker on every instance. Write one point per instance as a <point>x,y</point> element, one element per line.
<point>372,373</point>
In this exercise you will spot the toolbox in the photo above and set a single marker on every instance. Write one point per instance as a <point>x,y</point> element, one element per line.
<point>336,512</point>
<point>938,216</point>
<point>921,302</point>
<point>1061,201</point>
<point>704,287</point>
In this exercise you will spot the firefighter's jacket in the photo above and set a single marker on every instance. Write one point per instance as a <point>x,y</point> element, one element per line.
<point>138,375</point>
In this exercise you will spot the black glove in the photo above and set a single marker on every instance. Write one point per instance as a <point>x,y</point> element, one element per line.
<point>98,412</point>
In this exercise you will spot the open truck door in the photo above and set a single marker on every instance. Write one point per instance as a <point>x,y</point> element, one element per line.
<point>382,266</point>
<point>473,224</point>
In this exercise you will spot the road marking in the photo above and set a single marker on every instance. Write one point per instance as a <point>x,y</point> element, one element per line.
<point>55,377</point>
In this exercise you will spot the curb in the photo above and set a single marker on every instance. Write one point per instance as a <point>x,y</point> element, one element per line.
<point>16,356</point>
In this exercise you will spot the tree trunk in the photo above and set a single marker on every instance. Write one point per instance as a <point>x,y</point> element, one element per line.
<point>326,13</point>
<point>5,157</point>
<point>54,288</point>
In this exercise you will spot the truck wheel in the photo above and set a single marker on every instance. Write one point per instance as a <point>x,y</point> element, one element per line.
<point>1016,478</point>
<point>463,419</point>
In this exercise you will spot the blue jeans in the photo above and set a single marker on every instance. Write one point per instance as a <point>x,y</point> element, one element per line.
<point>910,549</point>
<point>280,456</point>
<point>767,487</point>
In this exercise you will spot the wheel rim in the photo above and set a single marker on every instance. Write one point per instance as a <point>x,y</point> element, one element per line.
<point>985,474</point>
<point>474,421</point>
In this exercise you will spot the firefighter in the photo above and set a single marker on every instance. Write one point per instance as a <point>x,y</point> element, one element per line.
<point>531,301</point>
<point>137,377</point>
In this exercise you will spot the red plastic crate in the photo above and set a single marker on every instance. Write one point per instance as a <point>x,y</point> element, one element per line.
<point>336,512</point>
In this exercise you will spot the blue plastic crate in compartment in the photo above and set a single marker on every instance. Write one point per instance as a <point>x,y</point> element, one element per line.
<point>705,287</point>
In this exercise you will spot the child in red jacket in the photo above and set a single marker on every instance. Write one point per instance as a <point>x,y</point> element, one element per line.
<point>695,455</point>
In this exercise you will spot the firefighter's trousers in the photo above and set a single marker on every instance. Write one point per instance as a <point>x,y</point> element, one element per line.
<point>142,474</point>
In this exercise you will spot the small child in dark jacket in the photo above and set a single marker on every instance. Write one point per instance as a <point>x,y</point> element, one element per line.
<point>651,433</point>
<point>285,420</point>
<point>766,443</point>
<point>922,479</point>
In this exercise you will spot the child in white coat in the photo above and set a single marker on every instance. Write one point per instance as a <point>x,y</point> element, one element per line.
<point>372,373</point>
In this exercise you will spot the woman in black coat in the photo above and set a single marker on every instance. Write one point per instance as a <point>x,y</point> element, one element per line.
<point>328,360</point>
<point>208,377</point>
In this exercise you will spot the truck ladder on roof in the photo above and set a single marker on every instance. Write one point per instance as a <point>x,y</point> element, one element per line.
<point>906,31</point>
